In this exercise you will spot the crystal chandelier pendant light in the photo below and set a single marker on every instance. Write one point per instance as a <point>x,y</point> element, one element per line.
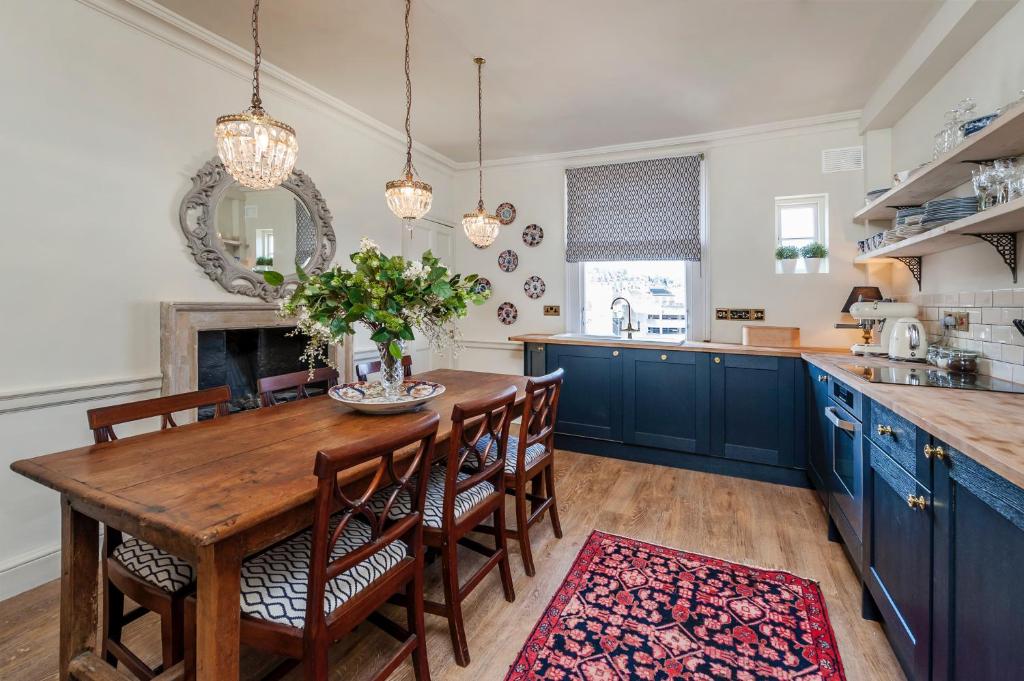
<point>481,227</point>
<point>257,150</point>
<point>408,198</point>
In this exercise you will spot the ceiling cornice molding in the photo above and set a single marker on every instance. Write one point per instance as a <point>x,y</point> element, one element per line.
<point>160,23</point>
<point>695,143</point>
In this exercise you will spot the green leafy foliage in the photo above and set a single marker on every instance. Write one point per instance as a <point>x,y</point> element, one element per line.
<point>814,250</point>
<point>787,253</point>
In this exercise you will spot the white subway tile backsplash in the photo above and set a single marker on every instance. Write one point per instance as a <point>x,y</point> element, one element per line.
<point>981,332</point>
<point>983,299</point>
<point>974,316</point>
<point>1002,334</point>
<point>967,299</point>
<point>1018,297</point>
<point>1014,354</point>
<point>1002,370</point>
<point>991,315</point>
<point>951,299</point>
<point>1011,313</point>
<point>992,350</point>
<point>1018,374</point>
<point>1003,297</point>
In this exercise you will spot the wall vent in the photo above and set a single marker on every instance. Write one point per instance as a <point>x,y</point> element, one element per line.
<point>842,159</point>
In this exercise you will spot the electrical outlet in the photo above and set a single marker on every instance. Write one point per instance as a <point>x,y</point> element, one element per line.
<point>958,321</point>
<point>552,310</point>
<point>743,315</point>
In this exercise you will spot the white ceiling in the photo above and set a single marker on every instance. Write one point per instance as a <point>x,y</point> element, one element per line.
<point>573,74</point>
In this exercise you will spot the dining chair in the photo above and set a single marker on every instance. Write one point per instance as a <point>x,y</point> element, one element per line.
<point>304,594</point>
<point>364,369</point>
<point>530,459</point>
<point>457,502</point>
<point>151,577</point>
<point>298,381</point>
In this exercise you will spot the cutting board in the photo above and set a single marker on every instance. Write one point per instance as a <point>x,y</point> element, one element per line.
<point>772,336</point>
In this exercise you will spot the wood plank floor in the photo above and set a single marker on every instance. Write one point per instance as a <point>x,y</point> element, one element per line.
<point>748,522</point>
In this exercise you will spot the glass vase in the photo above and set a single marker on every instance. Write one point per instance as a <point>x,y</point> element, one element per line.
<point>391,371</point>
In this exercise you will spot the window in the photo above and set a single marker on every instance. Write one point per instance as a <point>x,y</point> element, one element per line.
<point>265,243</point>
<point>800,220</point>
<point>655,289</point>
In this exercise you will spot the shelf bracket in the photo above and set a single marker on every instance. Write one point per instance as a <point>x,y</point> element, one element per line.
<point>1006,246</point>
<point>913,263</point>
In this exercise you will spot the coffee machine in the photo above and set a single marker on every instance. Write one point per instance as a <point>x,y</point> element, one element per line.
<point>900,334</point>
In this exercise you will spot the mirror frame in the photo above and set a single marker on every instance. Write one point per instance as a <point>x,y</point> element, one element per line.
<point>196,216</point>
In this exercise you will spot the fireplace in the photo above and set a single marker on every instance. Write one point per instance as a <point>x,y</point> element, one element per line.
<point>209,344</point>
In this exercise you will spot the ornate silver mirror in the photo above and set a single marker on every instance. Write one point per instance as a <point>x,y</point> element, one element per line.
<point>235,233</point>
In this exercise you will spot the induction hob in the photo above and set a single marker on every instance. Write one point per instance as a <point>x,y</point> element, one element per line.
<point>929,376</point>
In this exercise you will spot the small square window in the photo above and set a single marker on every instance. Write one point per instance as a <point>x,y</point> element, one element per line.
<point>801,220</point>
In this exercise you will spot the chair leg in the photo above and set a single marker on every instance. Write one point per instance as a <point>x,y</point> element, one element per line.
<point>414,612</point>
<point>450,572</point>
<point>501,544</point>
<point>190,637</point>
<point>113,620</point>
<point>549,482</point>
<point>538,492</point>
<point>172,626</point>
<point>523,531</point>
<point>314,663</point>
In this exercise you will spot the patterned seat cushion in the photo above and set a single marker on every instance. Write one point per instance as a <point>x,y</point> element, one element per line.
<point>435,498</point>
<point>154,565</point>
<point>274,583</point>
<point>533,452</point>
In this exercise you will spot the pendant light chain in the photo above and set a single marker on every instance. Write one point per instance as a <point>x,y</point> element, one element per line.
<point>408,95</point>
<point>479,127</point>
<point>257,103</point>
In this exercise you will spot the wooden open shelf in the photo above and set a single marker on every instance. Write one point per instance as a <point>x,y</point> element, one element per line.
<point>1002,138</point>
<point>1008,217</point>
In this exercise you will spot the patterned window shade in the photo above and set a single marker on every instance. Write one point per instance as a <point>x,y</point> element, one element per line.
<point>644,210</point>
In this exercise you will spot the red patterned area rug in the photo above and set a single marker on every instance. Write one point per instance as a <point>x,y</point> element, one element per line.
<point>632,610</point>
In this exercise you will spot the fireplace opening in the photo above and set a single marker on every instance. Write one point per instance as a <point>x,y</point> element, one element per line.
<point>238,358</point>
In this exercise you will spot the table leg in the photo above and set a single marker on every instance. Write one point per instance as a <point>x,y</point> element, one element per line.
<point>217,612</point>
<point>79,558</point>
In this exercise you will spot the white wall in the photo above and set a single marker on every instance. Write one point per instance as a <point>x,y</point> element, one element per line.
<point>746,171</point>
<point>992,72</point>
<point>104,119</point>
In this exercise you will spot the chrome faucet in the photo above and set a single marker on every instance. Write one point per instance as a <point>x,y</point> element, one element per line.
<point>629,317</point>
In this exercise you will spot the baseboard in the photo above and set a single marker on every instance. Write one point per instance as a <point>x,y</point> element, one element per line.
<point>29,570</point>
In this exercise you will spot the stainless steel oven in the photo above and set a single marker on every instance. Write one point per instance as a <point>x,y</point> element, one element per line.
<point>847,449</point>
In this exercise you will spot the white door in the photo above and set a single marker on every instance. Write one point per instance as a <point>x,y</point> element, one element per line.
<point>438,238</point>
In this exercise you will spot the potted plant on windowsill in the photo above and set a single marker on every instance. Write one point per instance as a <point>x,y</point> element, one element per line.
<point>814,255</point>
<point>787,257</point>
<point>390,296</point>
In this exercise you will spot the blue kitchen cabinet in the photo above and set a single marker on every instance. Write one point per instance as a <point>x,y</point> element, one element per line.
<point>665,401</point>
<point>819,429</point>
<point>979,551</point>
<point>590,404</point>
<point>754,414</point>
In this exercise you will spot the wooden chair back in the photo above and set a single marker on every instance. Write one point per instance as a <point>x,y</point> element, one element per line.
<point>103,419</point>
<point>489,417</point>
<point>297,380</point>
<point>364,369</point>
<point>540,410</point>
<point>334,503</point>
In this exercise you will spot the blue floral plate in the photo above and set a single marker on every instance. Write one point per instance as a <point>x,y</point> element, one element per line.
<point>369,398</point>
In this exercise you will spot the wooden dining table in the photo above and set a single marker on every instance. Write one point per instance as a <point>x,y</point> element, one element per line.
<point>213,493</point>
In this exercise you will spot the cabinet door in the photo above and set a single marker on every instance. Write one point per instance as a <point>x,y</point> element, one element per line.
<point>819,455</point>
<point>979,550</point>
<point>591,399</point>
<point>753,409</point>
<point>898,553</point>
<point>665,399</point>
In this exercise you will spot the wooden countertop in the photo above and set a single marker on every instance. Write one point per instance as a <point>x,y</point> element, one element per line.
<point>724,348</point>
<point>986,426</point>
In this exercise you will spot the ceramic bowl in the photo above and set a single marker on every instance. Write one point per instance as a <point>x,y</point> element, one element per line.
<point>368,396</point>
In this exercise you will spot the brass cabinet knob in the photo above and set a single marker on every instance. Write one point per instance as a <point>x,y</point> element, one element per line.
<point>823,378</point>
<point>937,451</point>
<point>917,503</point>
<point>884,430</point>
<point>718,360</point>
<point>615,353</point>
<point>664,357</point>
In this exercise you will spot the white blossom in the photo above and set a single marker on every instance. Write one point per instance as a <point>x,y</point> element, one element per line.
<point>414,270</point>
<point>368,246</point>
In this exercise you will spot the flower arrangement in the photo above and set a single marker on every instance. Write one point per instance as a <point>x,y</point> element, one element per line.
<point>389,295</point>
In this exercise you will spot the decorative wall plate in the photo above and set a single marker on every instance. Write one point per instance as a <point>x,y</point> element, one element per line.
<point>534,287</point>
<point>368,396</point>
<point>506,213</point>
<point>532,235</point>
<point>481,284</point>
<point>508,261</point>
<point>507,313</point>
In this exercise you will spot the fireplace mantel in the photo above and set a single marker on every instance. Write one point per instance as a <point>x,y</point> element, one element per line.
<point>180,324</point>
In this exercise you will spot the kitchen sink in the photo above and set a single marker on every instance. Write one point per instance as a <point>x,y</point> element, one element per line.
<point>598,337</point>
<point>585,336</point>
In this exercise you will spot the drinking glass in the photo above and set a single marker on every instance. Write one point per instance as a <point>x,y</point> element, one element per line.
<point>981,179</point>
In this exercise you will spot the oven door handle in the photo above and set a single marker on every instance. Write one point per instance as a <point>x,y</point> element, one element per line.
<point>833,415</point>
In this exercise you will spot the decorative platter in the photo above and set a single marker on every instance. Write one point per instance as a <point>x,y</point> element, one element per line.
<point>532,235</point>
<point>368,396</point>
<point>481,285</point>
<point>506,213</point>
<point>508,261</point>
<point>507,313</point>
<point>534,287</point>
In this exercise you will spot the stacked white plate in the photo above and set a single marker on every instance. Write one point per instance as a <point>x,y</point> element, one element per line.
<point>943,211</point>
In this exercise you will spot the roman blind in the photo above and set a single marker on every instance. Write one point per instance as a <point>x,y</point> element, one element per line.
<point>642,210</point>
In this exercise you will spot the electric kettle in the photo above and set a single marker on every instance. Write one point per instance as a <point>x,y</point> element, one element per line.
<point>908,341</point>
